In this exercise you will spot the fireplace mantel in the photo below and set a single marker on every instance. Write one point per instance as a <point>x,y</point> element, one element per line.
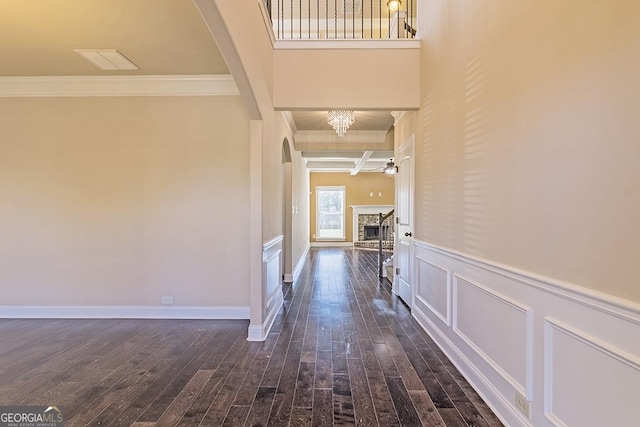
<point>366,210</point>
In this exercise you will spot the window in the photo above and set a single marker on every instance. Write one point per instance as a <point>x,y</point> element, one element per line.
<point>330,210</point>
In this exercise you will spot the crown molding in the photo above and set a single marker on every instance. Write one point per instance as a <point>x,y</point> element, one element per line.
<point>352,136</point>
<point>397,115</point>
<point>288,118</point>
<point>78,86</point>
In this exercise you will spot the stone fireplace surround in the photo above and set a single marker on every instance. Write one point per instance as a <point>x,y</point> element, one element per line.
<point>367,215</point>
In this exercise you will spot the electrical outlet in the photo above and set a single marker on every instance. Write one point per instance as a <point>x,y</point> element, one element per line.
<point>522,404</point>
<point>167,300</point>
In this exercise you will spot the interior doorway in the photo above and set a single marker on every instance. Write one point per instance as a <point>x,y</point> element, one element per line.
<point>403,254</point>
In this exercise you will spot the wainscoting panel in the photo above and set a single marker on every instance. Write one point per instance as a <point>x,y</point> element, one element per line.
<point>433,290</point>
<point>497,337</point>
<point>541,352</point>
<point>272,297</point>
<point>570,379</point>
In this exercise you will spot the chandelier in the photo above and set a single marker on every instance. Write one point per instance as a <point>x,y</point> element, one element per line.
<point>340,120</point>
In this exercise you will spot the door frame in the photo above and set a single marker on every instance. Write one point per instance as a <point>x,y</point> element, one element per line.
<point>407,145</point>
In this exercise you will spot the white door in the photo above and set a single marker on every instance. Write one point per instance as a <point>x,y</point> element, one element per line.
<point>403,282</point>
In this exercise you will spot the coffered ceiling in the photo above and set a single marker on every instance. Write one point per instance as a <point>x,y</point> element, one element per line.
<point>366,147</point>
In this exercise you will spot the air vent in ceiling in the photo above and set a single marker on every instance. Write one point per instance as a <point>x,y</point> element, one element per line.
<point>109,59</point>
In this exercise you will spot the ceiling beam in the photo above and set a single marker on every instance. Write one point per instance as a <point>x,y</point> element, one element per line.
<point>330,165</point>
<point>361,163</point>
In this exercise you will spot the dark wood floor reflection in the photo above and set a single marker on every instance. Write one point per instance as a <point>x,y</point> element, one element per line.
<point>343,351</point>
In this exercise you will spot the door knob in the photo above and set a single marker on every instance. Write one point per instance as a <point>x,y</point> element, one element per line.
<point>408,234</point>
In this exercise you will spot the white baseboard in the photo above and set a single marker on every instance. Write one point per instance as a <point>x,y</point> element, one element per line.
<point>331,244</point>
<point>256,333</point>
<point>498,404</point>
<point>300,264</point>
<point>260,332</point>
<point>512,332</point>
<point>288,278</point>
<point>122,312</point>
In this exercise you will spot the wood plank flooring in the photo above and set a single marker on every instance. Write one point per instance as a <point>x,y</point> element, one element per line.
<point>343,351</point>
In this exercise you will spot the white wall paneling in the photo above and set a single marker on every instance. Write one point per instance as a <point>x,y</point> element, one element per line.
<point>433,289</point>
<point>586,370</point>
<point>573,353</point>
<point>497,328</point>
<point>272,293</point>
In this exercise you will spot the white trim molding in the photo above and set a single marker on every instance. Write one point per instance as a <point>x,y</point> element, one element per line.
<point>625,309</point>
<point>397,116</point>
<point>331,244</point>
<point>366,210</point>
<point>272,298</point>
<point>268,247</point>
<point>347,44</point>
<point>79,86</point>
<point>291,124</point>
<point>429,302</point>
<point>498,403</point>
<point>616,365</point>
<point>297,270</point>
<point>329,136</point>
<point>524,387</point>
<point>515,334</point>
<point>123,312</point>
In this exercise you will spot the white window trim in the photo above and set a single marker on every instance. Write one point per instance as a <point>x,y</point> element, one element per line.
<point>344,213</point>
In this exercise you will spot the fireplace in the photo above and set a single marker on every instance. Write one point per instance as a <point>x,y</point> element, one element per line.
<point>365,225</point>
<point>372,232</point>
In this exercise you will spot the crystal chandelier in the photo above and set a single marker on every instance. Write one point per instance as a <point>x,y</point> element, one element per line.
<point>340,120</point>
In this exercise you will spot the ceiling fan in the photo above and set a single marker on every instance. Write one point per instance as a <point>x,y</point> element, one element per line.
<point>390,168</point>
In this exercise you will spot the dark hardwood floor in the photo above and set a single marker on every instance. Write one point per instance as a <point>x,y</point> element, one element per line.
<point>343,351</point>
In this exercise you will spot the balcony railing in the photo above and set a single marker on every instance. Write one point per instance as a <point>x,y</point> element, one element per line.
<point>342,19</point>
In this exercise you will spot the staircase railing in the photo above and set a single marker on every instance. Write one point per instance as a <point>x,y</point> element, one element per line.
<point>342,19</point>
<point>386,235</point>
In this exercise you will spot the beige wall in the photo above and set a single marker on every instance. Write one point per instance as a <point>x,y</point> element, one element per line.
<point>357,79</point>
<point>527,137</point>
<point>119,201</point>
<point>245,44</point>
<point>295,190</point>
<point>358,190</point>
<point>300,203</point>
